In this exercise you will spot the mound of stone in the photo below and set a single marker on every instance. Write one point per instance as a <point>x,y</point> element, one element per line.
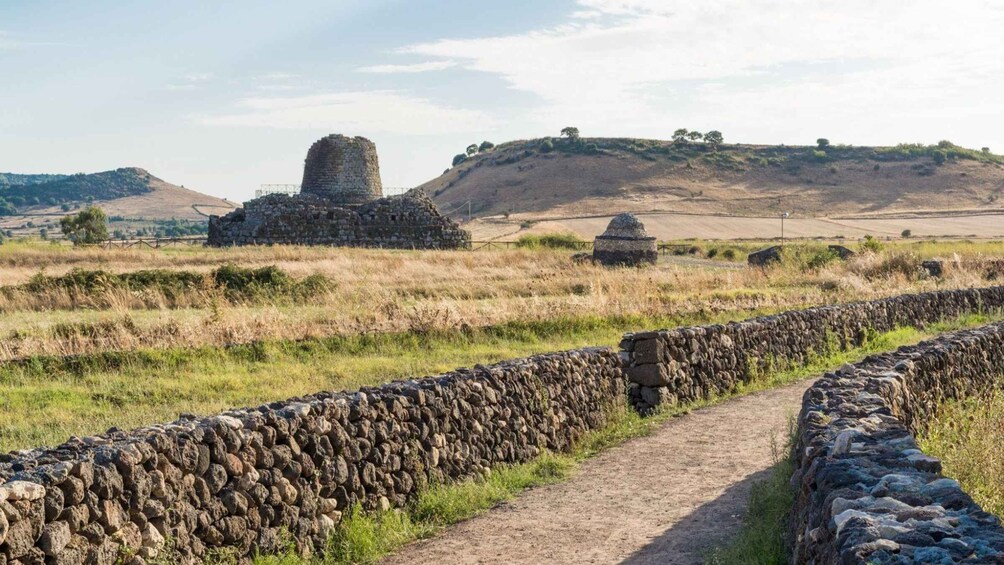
<point>625,243</point>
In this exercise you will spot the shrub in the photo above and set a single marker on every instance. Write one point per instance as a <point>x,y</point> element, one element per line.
<point>729,254</point>
<point>485,146</point>
<point>939,156</point>
<point>819,155</point>
<point>546,146</point>
<point>906,233</point>
<point>712,253</point>
<point>459,158</point>
<point>822,258</point>
<point>549,241</point>
<point>871,245</point>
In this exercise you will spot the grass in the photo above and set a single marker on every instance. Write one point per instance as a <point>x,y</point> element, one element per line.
<point>364,291</point>
<point>363,537</point>
<point>85,395</point>
<point>966,435</point>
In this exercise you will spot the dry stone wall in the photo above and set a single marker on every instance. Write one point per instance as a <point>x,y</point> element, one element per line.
<point>692,363</point>
<point>865,492</point>
<point>241,479</point>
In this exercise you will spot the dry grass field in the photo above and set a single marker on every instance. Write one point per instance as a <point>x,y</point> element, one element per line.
<point>668,226</point>
<point>95,338</point>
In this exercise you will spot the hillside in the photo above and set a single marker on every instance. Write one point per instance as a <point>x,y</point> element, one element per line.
<point>136,202</point>
<point>559,178</point>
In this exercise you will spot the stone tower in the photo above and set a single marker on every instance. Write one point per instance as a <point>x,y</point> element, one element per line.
<point>343,170</point>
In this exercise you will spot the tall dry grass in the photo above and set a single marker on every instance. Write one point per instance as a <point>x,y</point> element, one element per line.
<point>379,291</point>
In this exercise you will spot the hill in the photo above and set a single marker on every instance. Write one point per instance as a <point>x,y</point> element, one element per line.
<point>560,178</point>
<point>137,202</point>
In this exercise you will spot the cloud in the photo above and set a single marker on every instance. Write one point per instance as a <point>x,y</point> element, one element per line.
<point>413,68</point>
<point>379,111</point>
<point>190,81</point>
<point>615,63</point>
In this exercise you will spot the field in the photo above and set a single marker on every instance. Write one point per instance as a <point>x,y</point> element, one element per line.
<point>102,338</point>
<point>667,226</point>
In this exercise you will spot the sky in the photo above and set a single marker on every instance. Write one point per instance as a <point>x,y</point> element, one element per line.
<point>224,96</point>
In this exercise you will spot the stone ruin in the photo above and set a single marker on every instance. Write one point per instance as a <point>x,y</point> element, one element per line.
<point>341,203</point>
<point>625,243</point>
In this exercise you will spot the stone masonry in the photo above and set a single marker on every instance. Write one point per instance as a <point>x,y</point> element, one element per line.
<point>625,242</point>
<point>340,204</point>
<point>342,169</point>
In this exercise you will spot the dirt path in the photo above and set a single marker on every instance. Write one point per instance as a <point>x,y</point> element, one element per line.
<point>666,498</point>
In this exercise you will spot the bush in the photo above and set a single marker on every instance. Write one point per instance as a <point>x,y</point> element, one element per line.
<point>459,158</point>
<point>549,241</point>
<point>939,156</point>
<point>729,254</point>
<point>871,245</point>
<point>546,146</point>
<point>712,253</point>
<point>906,233</point>
<point>822,258</point>
<point>819,155</point>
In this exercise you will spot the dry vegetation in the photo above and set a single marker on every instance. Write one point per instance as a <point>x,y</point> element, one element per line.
<point>90,355</point>
<point>382,291</point>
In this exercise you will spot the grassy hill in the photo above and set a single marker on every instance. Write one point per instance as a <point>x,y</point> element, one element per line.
<point>137,203</point>
<point>561,178</point>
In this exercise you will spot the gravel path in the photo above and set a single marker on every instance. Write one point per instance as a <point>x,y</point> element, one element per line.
<point>665,498</point>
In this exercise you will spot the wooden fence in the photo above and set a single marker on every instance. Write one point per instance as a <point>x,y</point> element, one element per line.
<point>162,242</point>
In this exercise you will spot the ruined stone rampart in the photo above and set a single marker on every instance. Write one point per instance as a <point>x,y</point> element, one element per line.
<point>409,221</point>
<point>241,479</point>
<point>865,492</point>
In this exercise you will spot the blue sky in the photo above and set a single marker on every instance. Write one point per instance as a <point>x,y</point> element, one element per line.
<point>223,96</point>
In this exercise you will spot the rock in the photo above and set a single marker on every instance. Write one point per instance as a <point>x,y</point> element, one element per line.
<point>765,257</point>
<point>24,490</point>
<point>55,536</point>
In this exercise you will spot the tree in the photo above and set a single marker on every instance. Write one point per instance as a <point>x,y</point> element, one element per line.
<point>695,136</point>
<point>6,208</point>
<point>472,149</point>
<point>88,226</point>
<point>570,132</point>
<point>906,233</point>
<point>680,135</point>
<point>985,150</point>
<point>822,143</point>
<point>714,138</point>
<point>459,158</point>
<point>485,146</point>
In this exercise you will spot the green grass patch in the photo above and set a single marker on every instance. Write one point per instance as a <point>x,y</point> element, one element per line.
<point>967,435</point>
<point>550,241</point>
<point>87,394</point>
